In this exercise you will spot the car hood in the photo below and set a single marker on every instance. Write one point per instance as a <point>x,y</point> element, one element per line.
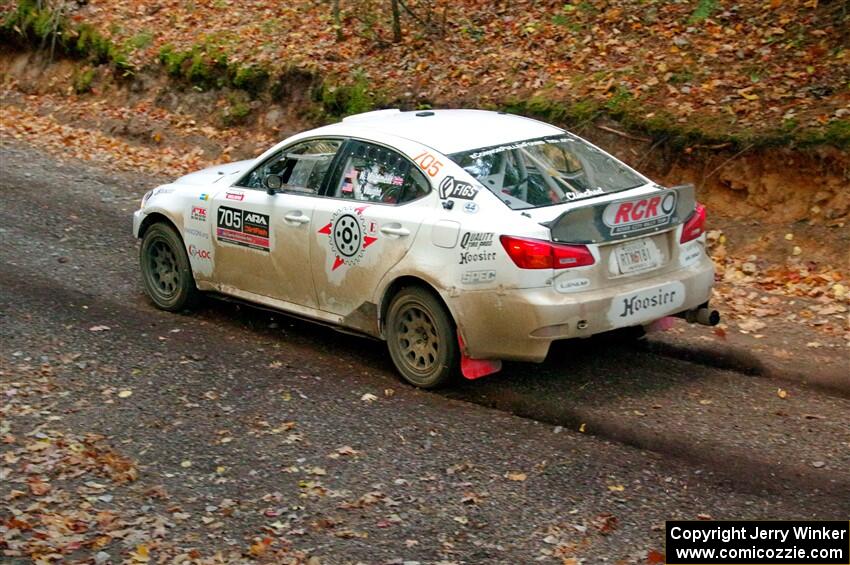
<point>215,173</point>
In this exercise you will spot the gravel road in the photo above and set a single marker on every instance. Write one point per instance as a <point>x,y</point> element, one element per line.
<point>232,403</point>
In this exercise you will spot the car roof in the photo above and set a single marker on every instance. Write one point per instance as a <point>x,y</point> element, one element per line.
<point>447,131</point>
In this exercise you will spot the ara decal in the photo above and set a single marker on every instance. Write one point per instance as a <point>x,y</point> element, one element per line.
<point>349,234</point>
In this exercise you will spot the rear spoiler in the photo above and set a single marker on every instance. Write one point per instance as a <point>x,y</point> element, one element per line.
<point>624,218</point>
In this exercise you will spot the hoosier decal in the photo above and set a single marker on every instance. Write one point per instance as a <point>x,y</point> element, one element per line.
<point>638,215</point>
<point>646,304</point>
<point>241,227</point>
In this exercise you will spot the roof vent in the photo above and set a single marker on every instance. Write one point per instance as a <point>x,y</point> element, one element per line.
<point>424,114</point>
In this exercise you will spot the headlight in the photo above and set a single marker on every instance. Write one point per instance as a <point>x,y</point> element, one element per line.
<point>145,198</point>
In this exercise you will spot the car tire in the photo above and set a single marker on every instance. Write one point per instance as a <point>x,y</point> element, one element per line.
<point>421,338</point>
<point>166,272</point>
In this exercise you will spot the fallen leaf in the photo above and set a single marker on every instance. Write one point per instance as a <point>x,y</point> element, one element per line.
<point>368,397</point>
<point>259,549</point>
<point>99,328</point>
<point>516,476</point>
<point>125,394</point>
<point>616,488</point>
<point>141,554</point>
<point>39,487</point>
<point>782,393</point>
<point>751,325</point>
<point>605,523</point>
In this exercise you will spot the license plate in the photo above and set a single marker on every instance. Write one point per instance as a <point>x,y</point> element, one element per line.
<point>637,256</point>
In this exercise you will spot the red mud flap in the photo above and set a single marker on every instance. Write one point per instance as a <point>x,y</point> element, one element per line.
<point>661,325</point>
<point>476,368</point>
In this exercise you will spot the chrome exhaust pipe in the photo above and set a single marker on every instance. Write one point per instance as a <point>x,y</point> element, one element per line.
<point>702,315</point>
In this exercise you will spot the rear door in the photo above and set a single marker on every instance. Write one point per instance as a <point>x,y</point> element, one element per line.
<point>366,223</point>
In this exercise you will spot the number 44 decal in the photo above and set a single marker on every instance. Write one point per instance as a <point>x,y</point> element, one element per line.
<point>428,163</point>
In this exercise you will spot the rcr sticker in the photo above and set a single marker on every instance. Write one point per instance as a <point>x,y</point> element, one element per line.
<point>477,277</point>
<point>453,188</point>
<point>638,215</point>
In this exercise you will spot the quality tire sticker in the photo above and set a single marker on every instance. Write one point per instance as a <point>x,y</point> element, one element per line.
<point>241,227</point>
<point>349,234</point>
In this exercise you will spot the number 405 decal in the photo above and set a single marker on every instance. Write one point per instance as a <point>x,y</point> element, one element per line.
<point>428,163</point>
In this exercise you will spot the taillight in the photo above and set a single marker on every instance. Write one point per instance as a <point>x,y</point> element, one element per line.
<point>694,226</point>
<point>539,254</point>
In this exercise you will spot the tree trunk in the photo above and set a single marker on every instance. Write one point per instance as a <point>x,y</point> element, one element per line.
<point>396,22</point>
<point>337,20</point>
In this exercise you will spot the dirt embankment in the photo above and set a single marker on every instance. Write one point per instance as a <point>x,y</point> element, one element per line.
<point>751,191</point>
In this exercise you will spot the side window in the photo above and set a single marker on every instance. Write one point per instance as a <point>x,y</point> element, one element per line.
<point>376,174</point>
<point>300,168</point>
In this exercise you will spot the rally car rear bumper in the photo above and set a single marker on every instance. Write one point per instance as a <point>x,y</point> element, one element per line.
<point>521,324</point>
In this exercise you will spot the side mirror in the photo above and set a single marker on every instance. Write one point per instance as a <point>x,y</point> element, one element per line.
<point>273,183</point>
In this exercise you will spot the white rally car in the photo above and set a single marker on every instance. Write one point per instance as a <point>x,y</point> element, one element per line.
<point>460,237</point>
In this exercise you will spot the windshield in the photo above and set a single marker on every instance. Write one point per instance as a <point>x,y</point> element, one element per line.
<point>546,171</point>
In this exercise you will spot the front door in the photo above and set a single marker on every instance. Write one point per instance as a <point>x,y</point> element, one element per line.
<point>365,224</point>
<point>262,236</point>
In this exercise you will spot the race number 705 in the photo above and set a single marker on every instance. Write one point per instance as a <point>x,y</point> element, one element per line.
<point>428,163</point>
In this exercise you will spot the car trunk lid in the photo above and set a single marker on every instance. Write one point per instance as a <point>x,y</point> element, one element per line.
<point>605,221</point>
<point>632,236</point>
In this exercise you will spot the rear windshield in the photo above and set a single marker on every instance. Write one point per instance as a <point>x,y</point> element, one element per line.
<point>546,171</point>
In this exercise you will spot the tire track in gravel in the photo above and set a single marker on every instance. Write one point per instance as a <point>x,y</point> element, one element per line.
<point>193,384</point>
